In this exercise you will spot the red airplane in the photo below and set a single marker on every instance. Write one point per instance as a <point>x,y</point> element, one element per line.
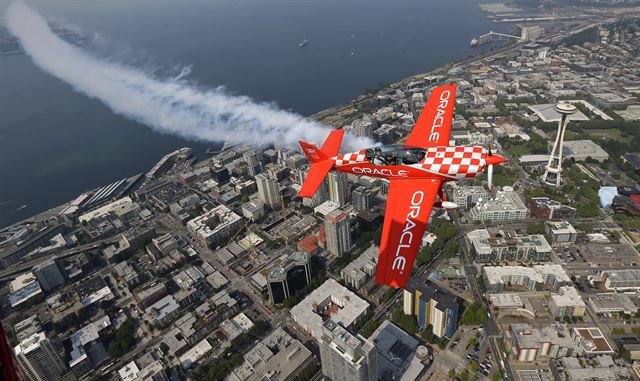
<point>416,172</point>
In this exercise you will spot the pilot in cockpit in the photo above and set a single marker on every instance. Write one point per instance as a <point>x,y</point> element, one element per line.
<point>378,159</point>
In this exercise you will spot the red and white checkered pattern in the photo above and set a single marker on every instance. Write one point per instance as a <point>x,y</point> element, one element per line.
<point>351,158</point>
<point>455,162</point>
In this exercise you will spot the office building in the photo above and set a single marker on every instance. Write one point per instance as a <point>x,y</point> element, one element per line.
<point>322,193</point>
<point>49,275</point>
<point>495,244</point>
<point>431,305</point>
<point>346,357</point>
<point>288,276</point>
<point>363,127</point>
<point>268,190</point>
<point>252,159</point>
<point>38,358</point>
<point>339,191</point>
<point>505,206</point>
<point>338,232</point>
<point>620,280</point>
<point>24,290</point>
<point>362,198</point>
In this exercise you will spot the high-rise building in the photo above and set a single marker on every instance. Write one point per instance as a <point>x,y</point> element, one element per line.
<point>362,198</point>
<point>338,187</point>
<point>48,274</point>
<point>346,357</point>
<point>338,232</point>
<point>254,166</point>
<point>554,166</point>
<point>433,306</point>
<point>363,127</point>
<point>268,190</point>
<point>321,195</point>
<point>289,275</point>
<point>38,358</point>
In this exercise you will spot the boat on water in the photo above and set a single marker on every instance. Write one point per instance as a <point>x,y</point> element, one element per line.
<point>303,43</point>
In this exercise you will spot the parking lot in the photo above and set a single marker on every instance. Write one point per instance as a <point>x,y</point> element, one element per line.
<point>469,345</point>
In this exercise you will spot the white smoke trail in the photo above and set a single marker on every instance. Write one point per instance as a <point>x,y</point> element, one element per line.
<point>166,105</point>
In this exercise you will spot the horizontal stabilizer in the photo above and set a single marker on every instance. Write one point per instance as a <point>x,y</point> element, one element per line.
<point>316,175</point>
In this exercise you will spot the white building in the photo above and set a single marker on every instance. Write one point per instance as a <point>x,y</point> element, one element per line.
<point>339,191</point>
<point>533,278</point>
<point>39,359</point>
<point>214,226</point>
<point>356,273</point>
<point>346,357</point>
<point>580,150</point>
<point>338,232</point>
<point>332,299</point>
<point>612,303</point>
<point>253,210</point>
<point>468,196</point>
<point>505,206</point>
<point>618,280</point>
<point>561,231</point>
<point>268,190</point>
<point>567,302</point>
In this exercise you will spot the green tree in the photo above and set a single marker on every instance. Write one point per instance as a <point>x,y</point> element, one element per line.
<point>124,339</point>
<point>450,249</point>
<point>452,373</point>
<point>618,331</point>
<point>474,315</point>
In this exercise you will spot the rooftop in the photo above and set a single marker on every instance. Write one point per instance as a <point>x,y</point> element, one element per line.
<point>537,273</point>
<point>396,353</point>
<point>506,300</point>
<point>567,296</point>
<point>332,300</point>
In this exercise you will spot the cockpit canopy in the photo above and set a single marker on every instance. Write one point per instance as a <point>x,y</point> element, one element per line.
<point>394,155</point>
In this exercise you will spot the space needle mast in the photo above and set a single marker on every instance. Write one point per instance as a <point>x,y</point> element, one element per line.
<point>554,166</point>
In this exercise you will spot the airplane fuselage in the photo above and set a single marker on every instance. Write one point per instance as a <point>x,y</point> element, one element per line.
<point>443,163</point>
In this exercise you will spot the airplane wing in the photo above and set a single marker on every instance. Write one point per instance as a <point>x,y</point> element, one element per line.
<point>434,124</point>
<point>409,204</point>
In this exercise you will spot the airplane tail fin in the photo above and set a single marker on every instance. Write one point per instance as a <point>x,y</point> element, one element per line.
<point>321,162</point>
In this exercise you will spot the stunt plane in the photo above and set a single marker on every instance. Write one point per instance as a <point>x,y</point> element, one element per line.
<point>416,172</point>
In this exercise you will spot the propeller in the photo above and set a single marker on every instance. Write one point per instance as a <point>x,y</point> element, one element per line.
<point>490,175</point>
<point>490,170</point>
<point>491,161</point>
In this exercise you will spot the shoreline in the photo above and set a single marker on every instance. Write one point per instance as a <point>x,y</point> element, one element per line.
<point>315,116</point>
